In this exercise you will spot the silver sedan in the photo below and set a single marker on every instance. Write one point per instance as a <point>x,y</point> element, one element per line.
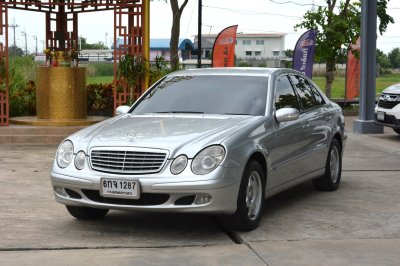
<point>217,141</point>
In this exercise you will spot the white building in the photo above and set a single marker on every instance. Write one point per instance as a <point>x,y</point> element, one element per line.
<point>249,46</point>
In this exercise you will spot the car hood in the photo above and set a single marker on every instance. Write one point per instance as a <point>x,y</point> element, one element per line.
<point>179,134</point>
<point>393,89</point>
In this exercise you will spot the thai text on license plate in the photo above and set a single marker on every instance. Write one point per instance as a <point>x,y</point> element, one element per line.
<point>119,188</point>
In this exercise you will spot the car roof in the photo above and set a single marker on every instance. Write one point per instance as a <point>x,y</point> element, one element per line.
<point>236,71</point>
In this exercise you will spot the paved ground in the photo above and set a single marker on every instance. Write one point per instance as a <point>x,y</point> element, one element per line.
<point>357,225</point>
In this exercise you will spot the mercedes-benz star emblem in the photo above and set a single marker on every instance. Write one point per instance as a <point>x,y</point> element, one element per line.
<point>131,135</point>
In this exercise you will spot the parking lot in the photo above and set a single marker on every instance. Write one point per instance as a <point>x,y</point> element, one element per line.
<point>357,225</point>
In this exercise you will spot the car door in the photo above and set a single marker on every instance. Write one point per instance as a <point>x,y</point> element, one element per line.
<point>316,124</point>
<point>287,156</point>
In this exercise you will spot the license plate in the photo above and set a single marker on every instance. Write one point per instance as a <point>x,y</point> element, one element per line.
<point>119,188</point>
<point>380,116</point>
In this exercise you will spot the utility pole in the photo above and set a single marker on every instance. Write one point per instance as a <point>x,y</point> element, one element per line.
<point>35,37</point>
<point>13,26</point>
<point>199,35</point>
<point>106,43</point>
<point>42,44</point>
<point>313,6</point>
<point>26,44</point>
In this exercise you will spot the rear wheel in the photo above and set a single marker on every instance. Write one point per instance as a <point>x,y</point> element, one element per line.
<point>333,169</point>
<point>86,213</point>
<point>251,198</point>
<point>397,130</point>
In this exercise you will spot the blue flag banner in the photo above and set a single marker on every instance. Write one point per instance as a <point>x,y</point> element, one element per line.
<point>304,51</point>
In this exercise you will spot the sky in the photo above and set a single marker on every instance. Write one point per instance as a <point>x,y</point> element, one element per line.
<point>252,16</point>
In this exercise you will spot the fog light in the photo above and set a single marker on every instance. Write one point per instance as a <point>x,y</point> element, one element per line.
<point>80,159</point>
<point>61,191</point>
<point>202,199</point>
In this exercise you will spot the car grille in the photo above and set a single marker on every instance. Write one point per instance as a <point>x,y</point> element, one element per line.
<point>388,101</point>
<point>143,161</point>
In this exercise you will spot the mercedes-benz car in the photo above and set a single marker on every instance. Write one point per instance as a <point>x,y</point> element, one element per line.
<point>387,111</point>
<point>213,141</point>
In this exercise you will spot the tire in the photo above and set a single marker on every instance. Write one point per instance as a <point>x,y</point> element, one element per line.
<point>85,213</point>
<point>251,198</point>
<point>397,130</point>
<point>333,169</point>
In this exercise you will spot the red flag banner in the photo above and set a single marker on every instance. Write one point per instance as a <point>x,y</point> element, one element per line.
<point>353,72</point>
<point>223,54</point>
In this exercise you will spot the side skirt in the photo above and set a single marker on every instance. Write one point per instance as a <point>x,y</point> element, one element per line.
<point>294,182</point>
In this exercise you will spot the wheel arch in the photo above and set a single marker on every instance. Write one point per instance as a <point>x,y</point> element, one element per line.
<point>260,158</point>
<point>338,137</point>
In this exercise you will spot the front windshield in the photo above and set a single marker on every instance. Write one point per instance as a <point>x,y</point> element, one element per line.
<point>212,94</point>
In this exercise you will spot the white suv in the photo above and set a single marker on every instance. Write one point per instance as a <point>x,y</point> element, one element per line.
<point>387,111</point>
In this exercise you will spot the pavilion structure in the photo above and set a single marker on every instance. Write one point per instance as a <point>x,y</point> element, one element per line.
<point>131,24</point>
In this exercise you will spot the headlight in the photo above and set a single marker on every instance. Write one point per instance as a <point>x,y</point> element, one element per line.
<point>179,164</point>
<point>208,159</point>
<point>64,154</point>
<point>80,159</point>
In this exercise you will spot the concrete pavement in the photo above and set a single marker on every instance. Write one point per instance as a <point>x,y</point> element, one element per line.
<point>357,225</point>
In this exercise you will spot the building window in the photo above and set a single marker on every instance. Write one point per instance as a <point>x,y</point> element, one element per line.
<point>246,42</point>
<point>259,42</point>
<point>275,53</point>
<point>257,53</point>
<point>248,53</point>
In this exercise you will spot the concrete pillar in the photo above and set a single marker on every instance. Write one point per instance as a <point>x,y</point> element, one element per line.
<point>365,123</point>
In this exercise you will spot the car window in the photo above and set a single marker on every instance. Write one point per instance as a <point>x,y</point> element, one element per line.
<point>208,94</point>
<point>284,94</point>
<point>317,94</point>
<point>305,93</point>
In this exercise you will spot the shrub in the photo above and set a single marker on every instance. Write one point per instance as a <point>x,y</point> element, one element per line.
<point>244,64</point>
<point>158,69</point>
<point>22,88</point>
<point>100,99</point>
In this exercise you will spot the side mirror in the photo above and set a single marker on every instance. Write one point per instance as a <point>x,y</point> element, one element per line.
<point>286,115</point>
<point>123,109</point>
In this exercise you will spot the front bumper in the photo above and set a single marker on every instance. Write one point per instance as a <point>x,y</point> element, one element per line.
<point>391,117</point>
<point>156,193</point>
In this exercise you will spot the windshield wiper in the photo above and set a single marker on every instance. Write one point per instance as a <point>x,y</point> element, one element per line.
<point>179,112</point>
<point>236,114</point>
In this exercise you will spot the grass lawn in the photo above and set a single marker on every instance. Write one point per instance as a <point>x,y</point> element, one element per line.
<point>338,86</point>
<point>382,82</point>
<point>101,79</point>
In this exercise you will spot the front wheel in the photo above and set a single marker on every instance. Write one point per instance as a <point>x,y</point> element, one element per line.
<point>397,130</point>
<point>251,198</point>
<point>86,213</point>
<point>333,169</point>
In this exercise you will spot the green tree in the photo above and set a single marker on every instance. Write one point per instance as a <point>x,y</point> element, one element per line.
<point>91,46</point>
<point>382,59</point>
<point>15,51</point>
<point>339,26</point>
<point>175,31</point>
<point>394,57</point>
<point>289,53</point>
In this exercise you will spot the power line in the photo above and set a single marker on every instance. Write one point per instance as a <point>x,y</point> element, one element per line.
<point>190,20</point>
<point>249,12</point>
<point>292,2</point>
